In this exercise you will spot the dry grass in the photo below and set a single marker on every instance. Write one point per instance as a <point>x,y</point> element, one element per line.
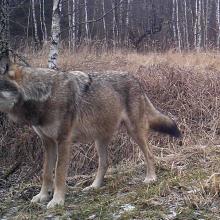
<point>184,86</point>
<point>125,60</point>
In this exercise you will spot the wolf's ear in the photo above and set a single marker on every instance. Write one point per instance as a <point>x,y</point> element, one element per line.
<point>4,65</point>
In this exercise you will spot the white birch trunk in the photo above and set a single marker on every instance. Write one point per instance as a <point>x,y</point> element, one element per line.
<point>70,39</point>
<point>114,25</point>
<point>199,34</point>
<point>41,21</point>
<point>178,26</point>
<point>104,21</point>
<point>127,21</point>
<point>120,23</point>
<point>28,22</point>
<point>186,25</point>
<point>74,23</point>
<point>44,21</point>
<point>207,24</point>
<point>86,20</point>
<point>128,13</point>
<point>196,25</point>
<point>174,22</point>
<point>55,32</point>
<point>35,22</point>
<point>203,23</point>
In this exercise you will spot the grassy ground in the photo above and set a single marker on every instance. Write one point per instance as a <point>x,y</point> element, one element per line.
<point>181,192</point>
<point>184,86</point>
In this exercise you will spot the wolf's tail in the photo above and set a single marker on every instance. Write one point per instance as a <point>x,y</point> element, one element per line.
<point>159,122</point>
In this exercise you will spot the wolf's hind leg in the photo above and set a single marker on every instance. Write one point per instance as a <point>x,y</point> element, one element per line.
<point>101,147</point>
<point>149,159</point>
<point>49,164</point>
<point>137,132</point>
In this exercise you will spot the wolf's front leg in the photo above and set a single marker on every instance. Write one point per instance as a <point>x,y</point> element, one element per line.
<point>61,171</point>
<point>50,156</point>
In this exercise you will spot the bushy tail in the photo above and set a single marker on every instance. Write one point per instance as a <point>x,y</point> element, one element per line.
<point>159,122</point>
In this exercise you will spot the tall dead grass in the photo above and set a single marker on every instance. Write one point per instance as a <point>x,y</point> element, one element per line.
<point>185,86</point>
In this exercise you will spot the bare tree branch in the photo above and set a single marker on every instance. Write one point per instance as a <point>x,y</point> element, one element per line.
<point>95,20</point>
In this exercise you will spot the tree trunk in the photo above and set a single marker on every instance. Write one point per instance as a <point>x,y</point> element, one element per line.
<point>114,25</point>
<point>104,21</point>
<point>178,26</point>
<point>196,25</point>
<point>206,24</point>
<point>41,21</point>
<point>174,22</point>
<point>186,25</point>
<point>127,21</point>
<point>70,39</point>
<point>199,40</point>
<point>28,22</point>
<point>86,20</point>
<point>44,22</point>
<point>55,32</point>
<point>4,35</point>
<point>36,38</point>
<point>74,23</point>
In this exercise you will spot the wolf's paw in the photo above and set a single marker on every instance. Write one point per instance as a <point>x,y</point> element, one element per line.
<point>150,179</point>
<point>41,197</point>
<point>90,188</point>
<point>55,202</point>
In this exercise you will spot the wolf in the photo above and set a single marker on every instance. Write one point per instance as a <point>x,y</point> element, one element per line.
<point>73,106</point>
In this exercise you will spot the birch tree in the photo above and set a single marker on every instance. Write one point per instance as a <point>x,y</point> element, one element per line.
<point>36,38</point>
<point>70,23</point>
<point>207,16</point>
<point>114,25</point>
<point>44,21</point>
<point>127,20</point>
<point>196,24</point>
<point>186,25</point>
<point>128,13</point>
<point>178,26</point>
<point>86,20</point>
<point>74,23</point>
<point>28,22</point>
<point>104,21</point>
<point>71,4</point>
<point>174,22</point>
<point>55,35</point>
<point>4,35</point>
<point>41,21</point>
<point>199,34</point>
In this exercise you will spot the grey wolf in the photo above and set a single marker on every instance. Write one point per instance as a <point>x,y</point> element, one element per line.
<point>78,106</point>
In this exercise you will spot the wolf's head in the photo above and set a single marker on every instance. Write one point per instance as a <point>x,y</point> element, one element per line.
<point>9,91</point>
<point>23,84</point>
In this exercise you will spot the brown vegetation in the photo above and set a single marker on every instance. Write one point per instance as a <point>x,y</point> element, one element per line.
<point>184,86</point>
